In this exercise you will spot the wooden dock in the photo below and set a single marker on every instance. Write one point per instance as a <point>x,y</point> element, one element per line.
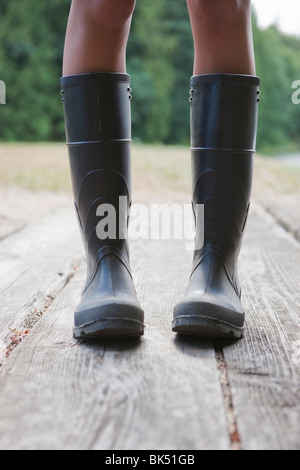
<point>163,392</point>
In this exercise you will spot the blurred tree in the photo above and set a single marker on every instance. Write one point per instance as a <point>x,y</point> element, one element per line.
<point>31,39</point>
<point>160,61</point>
<point>291,49</point>
<point>182,66</point>
<point>278,66</point>
<point>152,69</point>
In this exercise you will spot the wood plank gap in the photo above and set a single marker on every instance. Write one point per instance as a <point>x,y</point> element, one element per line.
<point>17,336</point>
<point>284,225</point>
<point>13,231</point>
<point>230,412</point>
<point>262,370</point>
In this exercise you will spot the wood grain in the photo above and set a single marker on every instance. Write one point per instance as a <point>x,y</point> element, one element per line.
<point>157,393</point>
<point>162,392</point>
<point>264,368</point>
<point>36,263</point>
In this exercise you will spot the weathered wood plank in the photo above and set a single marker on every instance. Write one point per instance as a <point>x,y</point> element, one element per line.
<point>157,393</point>
<point>9,226</point>
<point>162,392</point>
<point>264,368</point>
<point>36,263</point>
<point>20,207</point>
<point>285,209</point>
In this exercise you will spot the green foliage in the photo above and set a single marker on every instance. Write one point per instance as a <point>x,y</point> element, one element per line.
<point>160,62</point>
<point>31,39</point>
<point>277,61</point>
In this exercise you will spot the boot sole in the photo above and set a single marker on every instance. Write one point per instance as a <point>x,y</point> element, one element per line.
<point>206,327</point>
<point>109,329</point>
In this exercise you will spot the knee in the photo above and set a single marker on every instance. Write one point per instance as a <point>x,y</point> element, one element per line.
<point>219,13</point>
<point>111,14</point>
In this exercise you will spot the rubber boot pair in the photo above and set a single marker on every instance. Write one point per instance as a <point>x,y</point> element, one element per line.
<point>223,134</point>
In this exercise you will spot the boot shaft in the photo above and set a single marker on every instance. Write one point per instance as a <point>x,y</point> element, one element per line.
<point>97,107</point>
<point>98,132</point>
<point>224,111</point>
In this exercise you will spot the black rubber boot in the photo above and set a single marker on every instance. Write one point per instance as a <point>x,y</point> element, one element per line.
<point>223,137</point>
<point>98,129</point>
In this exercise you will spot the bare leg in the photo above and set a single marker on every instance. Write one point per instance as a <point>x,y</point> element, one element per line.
<point>97,36</point>
<point>222,36</point>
